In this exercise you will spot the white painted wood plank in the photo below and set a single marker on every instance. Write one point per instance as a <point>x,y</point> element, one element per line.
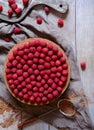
<point>85,46</point>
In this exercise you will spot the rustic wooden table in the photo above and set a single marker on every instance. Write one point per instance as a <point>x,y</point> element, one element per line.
<point>79,31</point>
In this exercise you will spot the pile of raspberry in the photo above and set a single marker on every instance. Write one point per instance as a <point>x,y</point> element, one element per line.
<point>36,72</point>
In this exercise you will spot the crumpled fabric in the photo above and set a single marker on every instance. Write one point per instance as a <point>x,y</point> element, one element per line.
<point>29,28</point>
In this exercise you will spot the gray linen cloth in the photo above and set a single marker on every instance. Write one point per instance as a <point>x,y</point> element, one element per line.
<point>29,28</point>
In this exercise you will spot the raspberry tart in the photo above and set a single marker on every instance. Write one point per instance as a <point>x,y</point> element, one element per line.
<point>36,71</point>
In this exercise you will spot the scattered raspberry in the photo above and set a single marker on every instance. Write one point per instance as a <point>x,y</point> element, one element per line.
<point>14,6</point>
<point>83,65</point>
<point>10,12</point>
<point>25,2</point>
<point>47,10</point>
<point>1,8</point>
<point>18,11</point>
<point>39,20</point>
<point>7,39</point>
<point>60,22</point>
<point>16,30</point>
<point>11,1</point>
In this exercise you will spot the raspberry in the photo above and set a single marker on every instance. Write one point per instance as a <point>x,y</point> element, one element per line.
<point>45,50</point>
<point>11,1</point>
<point>65,66</point>
<point>38,100</point>
<point>52,76</point>
<point>10,12</point>
<point>25,2</point>
<point>35,89</point>
<point>19,72</point>
<point>36,72</point>
<point>50,53</point>
<point>58,74</point>
<point>47,10</point>
<point>54,69</point>
<point>45,92</point>
<point>28,80</point>
<point>15,76</point>
<point>19,87</point>
<point>19,66</point>
<point>14,6</point>
<point>60,83</point>
<point>55,93</point>
<point>42,56</point>
<point>40,67</point>
<point>1,8</point>
<point>29,62</point>
<point>31,43</point>
<point>50,90</point>
<point>20,95</point>
<point>25,67</point>
<point>54,86</point>
<point>50,96</point>
<point>33,83</point>
<point>58,63</point>
<point>52,63</point>
<point>50,47</point>
<point>9,65</point>
<point>25,74</point>
<point>41,89</point>
<point>32,77</point>
<point>7,39</point>
<point>62,60</point>
<point>26,97</point>
<point>41,61</point>
<point>18,58</point>
<point>39,78</point>
<point>9,76</point>
<point>30,56</point>
<point>60,22</point>
<point>65,72</point>
<point>38,84</point>
<point>47,65</point>
<point>46,86</point>
<point>24,90</point>
<point>35,60</point>
<point>11,57</point>
<point>35,94</point>
<point>50,81</point>
<point>16,30</point>
<point>16,82</point>
<point>30,71</point>
<point>8,71</point>
<point>43,81</point>
<point>14,63</point>
<point>63,79</point>
<point>18,11</point>
<point>55,50</point>
<point>59,89</point>
<point>46,77</point>
<point>22,61</point>
<point>36,43</point>
<point>37,54</point>
<point>54,57</point>
<point>39,48</point>
<point>29,87</point>
<point>48,72</point>
<point>56,80</point>
<point>59,54</point>
<point>44,99</point>
<point>34,66</point>
<point>60,69</point>
<point>83,65</point>
<point>21,47</point>
<point>43,44</point>
<point>42,72</point>
<point>39,20</point>
<point>15,52</point>
<point>32,99</point>
<point>32,49</point>
<point>15,91</point>
<point>48,59</point>
<point>12,87</point>
<point>20,53</point>
<point>20,79</point>
<point>29,93</point>
<point>23,83</point>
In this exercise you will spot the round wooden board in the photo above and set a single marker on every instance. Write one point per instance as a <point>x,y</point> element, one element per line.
<point>47,41</point>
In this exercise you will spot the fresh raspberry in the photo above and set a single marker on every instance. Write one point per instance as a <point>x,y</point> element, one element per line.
<point>42,56</point>
<point>16,30</point>
<point>29,87</point>
<point>60,83</point>
<point>56,80</point>
<point>8,71</point>
<point>10,12</point>
<point>45,50</point>
<point>55,50</point>
<point>40,67</point>
<point>9,65</point>
<point>60,22</point>
<point>41,61</point>
<point>55,93</point>
<point>50,53</point>
<point>11,1</point>
<point>26,45</point>
<point>32,99</point>
<point>50,81</point>
<point>18,11</point>
<point>35,89</point>
<point>59,89</point>
<point>14,63</point>
<point>23,83</point>
<point>16,82</point>
<point>15,76</point>
<point>42,72</point>
<point>39,20</point>
<point>47,65</point>
<point>65,66</point>
<point>37,54</point>
<point>60,69</point>
<point>44,99</point>
<point>29,93</point>
<point>48,72</point>
<point>25,2</point>
<point>35,60</point>
<point>26,97</point>
<point>41,89</point>
<point>50,90</point>
<point>7,39</point>
<point>18,58</point>
<point>33,83</point>
<point>52,76</point>
<point>65,72</point>
<point>48,59</point>
<point>50,47</point>
<point>39,48</point>
<point>30,56</point>
<point>12,87</point>
<point>46,77</point>
<point>25,67</point>
<point>20,95</point>
<point>43,81</point>
<point>21,47</point>
<point>29,62</point>
<point>20,53</point>
<point>36,72</point>
<point>36,43</point>
<point>22,61</point>
<point>62,60</point>
<point>11,57</point>
<point>38,100</point>
<point>31,43</point>
<point>28,80</point>
<point>14,6</point>
<point>47,10</point>
<point>43,44</point>
<point>20,78</point>
<point>19,72</point>
<point>53,86</point>
<point>39,78</point>
<point>50,96</point>
<point>63,79</point>
<point>58,74</point>
<point>59,55</point>
<point>19,66</point>
<point>52,63</point>
<point>15,92</point>
<point>9,76</point>
<point>30,71</point>
<point>32,49</point>
<point>45,92</point>
<point>46,86</point>
<point>19,87</point>
<point>38,84</point>
<point>13,70</point>
<point>83,65</point>
<point>1,8</point>
<point>34,66</point>
<point>54,69</point>
<point>24,90</point>
<point>32,77</point>
<point>15,52</point>
<point>54,57</point>
<point>58,63</point>
<point>25,74</point>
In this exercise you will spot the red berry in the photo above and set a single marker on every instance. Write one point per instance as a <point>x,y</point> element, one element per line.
<point>41,61</point>
<point>38,100</point>
<point>15,91</point>
<point>47,65</point>
<point>43,44</point>
<point>40,67</point>
<point>55,93</point>
<point>14,63</point>
<point>16,82</point>
<point>31,43</point>
<point>56,80</point>
<point>32,99</point>
<point>26,97</point>
<point>37,54</point>
<point>22,61</point>
<point>42,56</point>
<point>25,2</point>
<point>54,86</point>
<point>12,87</point>
<point>15,76</point>
<point>59,55</point>
<point>1,8</point>
<point>15,52</point>
<point>19,72</point>
<point>35,60</point>
<point>20,95</point>
<point>32,77</point>
<point>60,83</point>
<point>24,90</point>
<point>41,89</point>
<point>20,79</point>
<point>50,81</point>
<point>11,57</point>
<point>36,43</point>
<point>59,89</point>
<point>65,66</point>
<point>55,50</point>
<point>29,93</point>
<point>21,47</point>
<point>60,22</point>
<point>52,63</point>
<point>29,62</point>
<point>60,69</point>
<point>30,71</point>
<point>33,83</point>
<point>39,78</point>
<point>7,39</point>
<point>50,47</point>
<point>30,56</point>
<point>50,90</point>
<point>46,86</point>
<point>19,87</point>
<point>9,65</point>
<point>14,6</point>
<point>18,11</point>
<point>43,81</point>
<point>83,65</point>
<point>47,10</point>
<point>52,76</point>
<point>39,20</point>
<point>28,80</point>
<point>18,58</point>
<point>19,66</point>
<point>39,48</point>
<point>23,83</point>
<point>45,50</point>
<point>50,53</point>
<point>11,1</point>
<point>50,96</point>
<point>32,49</point>
<point>16,30</point>
<point>10,12</point>
<point>54,57</point>
<point>48,72</point>
<point>35,89</point>
<point>35,94</point>
<point>34,66</point>
<point>63,60</point>
<point>8,71</point>
<point>38,84</point>
<point>26,50</point>
<point>54,69</point>
<point>25,74</point>
<point>45,92</point>
<point>46,77</point>
<point>29,87</point>
<point>14,70</point>
<point>9,76</point>
<point>44,99</point>
<point>25,67</point>
<point>42,72</point>
<point>58,63</point>
<point>36,72</point>
<point>58,74</point>
<point>48,59</point>
<point>65,72</point>
<point>63,79</point>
